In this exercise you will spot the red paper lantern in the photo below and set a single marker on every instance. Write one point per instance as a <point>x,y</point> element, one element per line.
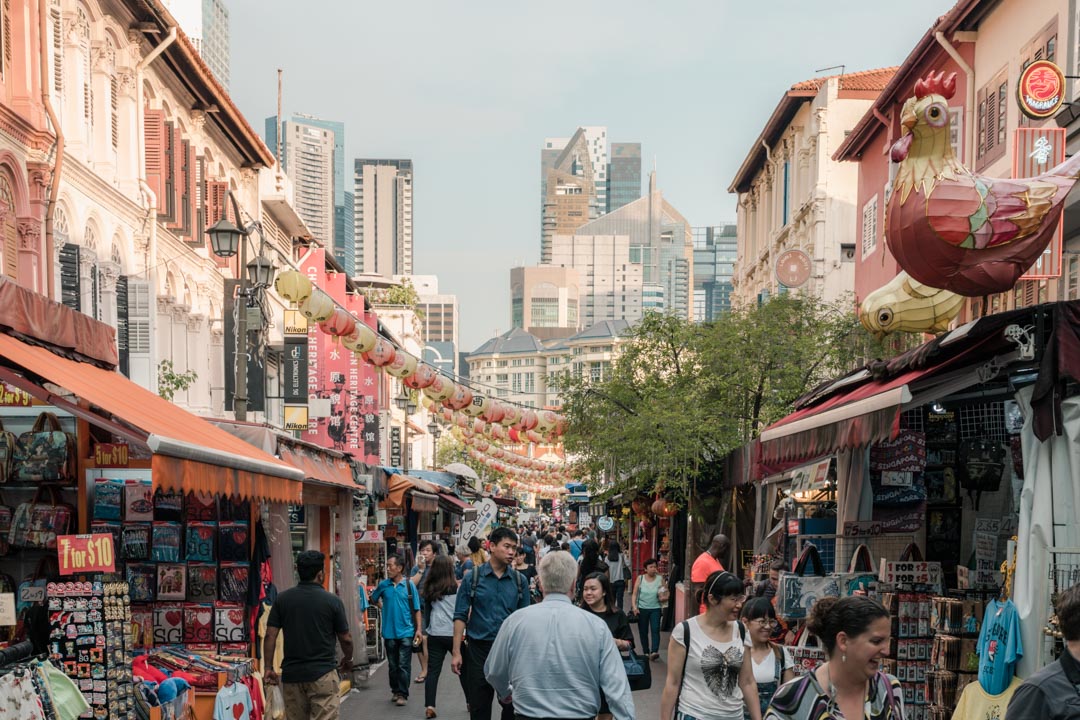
<point>664,507</point>
<point>340,324</point>
<point>382,354</point>
<point>494,412</point>
<point>422,378</point>
<point>460,398</point>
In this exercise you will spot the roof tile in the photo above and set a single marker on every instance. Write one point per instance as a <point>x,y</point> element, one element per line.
<point>862,80</point>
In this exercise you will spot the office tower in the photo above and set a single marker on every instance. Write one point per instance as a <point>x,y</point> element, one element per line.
<point>206,23</point>
<point>660,243</point>
<point>383,217</point>
<point>623,175</point>
<point>569,187</point>
<point>313,156</point>
<point>715,250</point>
<point>610,281</point>
<point>439,315</point>
<point>544,300</point>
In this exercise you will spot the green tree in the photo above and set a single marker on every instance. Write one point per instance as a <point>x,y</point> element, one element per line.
<point>171,382</point>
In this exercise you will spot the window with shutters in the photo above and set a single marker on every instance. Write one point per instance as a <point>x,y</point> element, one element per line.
<point>56,49</point>
<point>167,205</point>
<point>138,316</point>
<point>9,233</point>
<point>70,283</point>
<point>83,24</point>
<point>154,136</point>
<point>1042,47</point>
<point>869,226</point>
<point>992,102</point>
<point>122,324</point>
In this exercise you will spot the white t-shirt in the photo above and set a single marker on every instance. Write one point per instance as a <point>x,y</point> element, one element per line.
<point>766,670</point>
<point>711,685</point>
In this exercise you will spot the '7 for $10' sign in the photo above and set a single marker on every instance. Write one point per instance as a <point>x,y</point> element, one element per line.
<point>85,553</point>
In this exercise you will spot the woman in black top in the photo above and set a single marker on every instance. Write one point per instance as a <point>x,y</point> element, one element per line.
<point>590,563</point>
<point>597,598</point>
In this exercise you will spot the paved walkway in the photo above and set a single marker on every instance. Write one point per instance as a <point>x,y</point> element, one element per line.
<point>374,700</point>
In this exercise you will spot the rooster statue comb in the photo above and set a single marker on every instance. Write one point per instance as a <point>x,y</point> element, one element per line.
<point>954,230</point>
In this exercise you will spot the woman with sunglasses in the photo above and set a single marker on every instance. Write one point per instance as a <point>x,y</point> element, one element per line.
<point>851,684</point>
<point>772,663</point>
<point>710,676</point>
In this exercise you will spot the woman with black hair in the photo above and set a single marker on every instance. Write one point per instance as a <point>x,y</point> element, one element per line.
<point>618,565</point>
<point>440,596</point>
<point>851,684</point>
<point>710,674</point>
<point>590,563</point>
<point>597,598</point>
<point>772,663</point>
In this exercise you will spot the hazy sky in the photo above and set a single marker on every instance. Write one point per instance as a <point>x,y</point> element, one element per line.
<point>469,89</point>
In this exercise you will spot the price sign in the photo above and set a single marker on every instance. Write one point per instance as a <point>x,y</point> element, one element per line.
<point>7,609</point>
<point>862,528</point>
<point>911,573</point>
<point>32,594</point>
<point>368,536</point>
<point>85,553</point>
<point>111,455</point>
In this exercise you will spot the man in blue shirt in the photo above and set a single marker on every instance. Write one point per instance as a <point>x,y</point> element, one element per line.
<point>487,596</point>
<point>576,543</point>
<point>400,602</point>
<point>573,647</point>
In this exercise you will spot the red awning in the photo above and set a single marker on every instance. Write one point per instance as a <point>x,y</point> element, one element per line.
<point>424,502</point>
<point>505,502</point>
<point>190,454</point>
<point>319,466</point>
<point>453,503</point>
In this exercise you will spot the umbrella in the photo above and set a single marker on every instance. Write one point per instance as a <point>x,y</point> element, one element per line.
<point>462,470</point>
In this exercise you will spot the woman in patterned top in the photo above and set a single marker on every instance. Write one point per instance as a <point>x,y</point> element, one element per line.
<point>851,684</point>
<point>710,676</point>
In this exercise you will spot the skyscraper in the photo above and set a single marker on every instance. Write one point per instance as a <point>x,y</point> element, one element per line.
<point>715,250</point>
<point>206,23</point>
<point>623,175</point>
<point>383,217</point>
<point>313,156</point>
<point>544,300</point>
<point>610,280</point>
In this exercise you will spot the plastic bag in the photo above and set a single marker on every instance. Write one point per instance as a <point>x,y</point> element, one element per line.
<point>275,703</point>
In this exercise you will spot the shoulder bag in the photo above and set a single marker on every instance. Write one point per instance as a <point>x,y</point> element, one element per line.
<point>7,452</point>
<point>682,676</point>
<point>45,453</point>
<point>638,672</point>
<point>36,523</point>
<point>799,590</point>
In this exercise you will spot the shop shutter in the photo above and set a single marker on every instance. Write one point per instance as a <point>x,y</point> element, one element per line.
<point>122,323</point>
<point>154,132</point>
<point>217,194</point>
<point>138,317</point>
<point>187,200</point>
<point>70,288</point>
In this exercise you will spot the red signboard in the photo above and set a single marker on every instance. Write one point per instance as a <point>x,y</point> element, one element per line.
<point>336,374</point>
<point>85,553</point>
<point>1041,89</point>
<point>111,455</point>
<point>1036,150</point>
<point>14,397</point>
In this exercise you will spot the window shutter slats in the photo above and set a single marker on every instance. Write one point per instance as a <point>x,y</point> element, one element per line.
<point>138,313</point>
<point>122,324</point>
<point>70,287</point>
<point>154,130</point>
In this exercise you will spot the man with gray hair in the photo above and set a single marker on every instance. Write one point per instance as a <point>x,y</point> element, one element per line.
<point>573,647</point>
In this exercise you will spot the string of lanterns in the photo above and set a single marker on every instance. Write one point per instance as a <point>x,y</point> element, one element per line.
<point>443,393</point>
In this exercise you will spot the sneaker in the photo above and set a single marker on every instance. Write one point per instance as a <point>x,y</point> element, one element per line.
<point>401,702</point>
<point>429,713</point>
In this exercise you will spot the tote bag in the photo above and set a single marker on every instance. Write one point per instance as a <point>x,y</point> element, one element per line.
<point>798,591</point>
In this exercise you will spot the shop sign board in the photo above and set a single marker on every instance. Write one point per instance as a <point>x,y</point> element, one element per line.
<point>111,455</point>
<point>256,368</point>
<point>862,528</point>
<point>486,510</point>
<point>1041,89</point>
<point>911,573</point>
<point>369,536</point>
<point>1035,151</point>
<point>11,396</point>
<point>583,517</point>
<point>395,447</point>
<point>605,523</point>
<point>296,417</point>
<point>86,553</point>
<point>294,370</point>
<point>793,268</point>
<point>295,324</point>
<point>296,515</point>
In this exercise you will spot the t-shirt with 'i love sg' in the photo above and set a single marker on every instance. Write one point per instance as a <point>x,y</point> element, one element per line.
<point>233,702</point>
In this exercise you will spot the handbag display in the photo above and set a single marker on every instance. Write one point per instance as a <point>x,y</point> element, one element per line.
<point>638,672</point>
<point>860,575</point>
<point>797,591</point>
<point>36,524</point>
<point>807,658</point>
<point>45,453</point>
<point>7,452</point>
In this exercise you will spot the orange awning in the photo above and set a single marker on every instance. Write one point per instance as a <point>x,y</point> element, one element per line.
<point>320,467</point>
<point>401,484</point>
<point>190,453</point>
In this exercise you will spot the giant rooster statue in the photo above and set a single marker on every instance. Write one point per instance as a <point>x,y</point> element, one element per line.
<point>952,229</point>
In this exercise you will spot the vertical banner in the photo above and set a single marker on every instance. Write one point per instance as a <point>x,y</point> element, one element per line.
<point>256,371</point>
<point>294,371</point>
<point>336,375</point>
<point>395,447</point>
<point>1036,150</point>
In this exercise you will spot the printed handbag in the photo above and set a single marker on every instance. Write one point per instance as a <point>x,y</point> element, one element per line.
<point>806,658</point>
<point>7,452</point>
<point>638,672</point>
<point>108,498</point>
<point>860,575</point>
<point>45,453</point>
<point>797,591</point>
<point>36,524</point>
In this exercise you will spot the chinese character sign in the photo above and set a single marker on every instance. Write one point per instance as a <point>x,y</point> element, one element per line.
<point>335,374</point>
<point>1035,151</point>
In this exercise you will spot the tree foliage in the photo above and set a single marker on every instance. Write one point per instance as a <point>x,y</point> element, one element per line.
<point>681,396</point>
<point>171,382</point>
<point>452,450</point>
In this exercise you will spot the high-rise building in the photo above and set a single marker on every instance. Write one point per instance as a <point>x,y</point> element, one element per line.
<point>715,250</point>
<point>544,300</point>
<point>439,315</point>
<point>206,23</point>
<point>610,281</point>
<point>661,244</point>
<point>623,175</point>
<point>383,217</point>
<point>313,156</point>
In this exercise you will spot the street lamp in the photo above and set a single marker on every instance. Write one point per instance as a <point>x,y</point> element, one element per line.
<point>226,239</point>
<point>435,432</point>
<point>408,406</point>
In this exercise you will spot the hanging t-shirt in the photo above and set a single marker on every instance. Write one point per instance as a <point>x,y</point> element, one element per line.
<point>999,646</point>
<point>233,702</point>
<point>977,704</point>
<point>711,686</point>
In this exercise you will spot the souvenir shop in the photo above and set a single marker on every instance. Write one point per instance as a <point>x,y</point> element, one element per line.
<point>132,531</point>
<point>904,481</point>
